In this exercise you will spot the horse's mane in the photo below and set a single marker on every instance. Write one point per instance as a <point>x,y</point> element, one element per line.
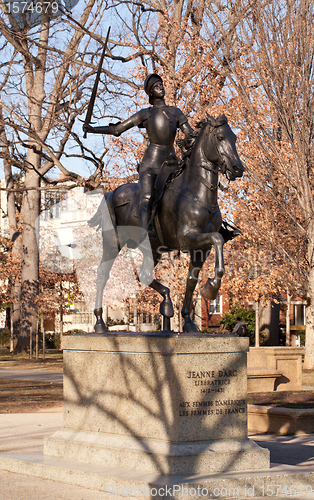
<point>213,122</point>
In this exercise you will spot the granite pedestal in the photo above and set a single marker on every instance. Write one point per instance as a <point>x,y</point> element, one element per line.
<point>156,403</point>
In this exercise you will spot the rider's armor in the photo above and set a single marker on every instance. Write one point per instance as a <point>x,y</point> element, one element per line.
<point>161,123</point>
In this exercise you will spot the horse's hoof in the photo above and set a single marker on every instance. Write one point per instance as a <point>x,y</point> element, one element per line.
<point>189,326</point>
<point>131,244</point>
<point>210,290</point>
<point>145,277</point>
<point>101,328</point>
<point>166,308</point>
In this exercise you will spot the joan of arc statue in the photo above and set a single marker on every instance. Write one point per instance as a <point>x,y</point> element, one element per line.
<point>161,123</point>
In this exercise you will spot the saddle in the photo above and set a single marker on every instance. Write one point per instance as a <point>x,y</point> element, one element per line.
<point>168,171</point>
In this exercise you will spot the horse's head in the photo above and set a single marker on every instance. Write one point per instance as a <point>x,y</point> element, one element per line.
<point>219,147</point>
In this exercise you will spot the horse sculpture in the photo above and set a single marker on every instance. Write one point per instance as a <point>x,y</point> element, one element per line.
<point>187,218</point>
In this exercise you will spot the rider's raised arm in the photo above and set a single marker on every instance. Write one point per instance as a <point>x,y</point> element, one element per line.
<point>118,128</point>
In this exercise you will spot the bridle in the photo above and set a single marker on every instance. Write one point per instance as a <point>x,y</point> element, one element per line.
<point>222,166</point>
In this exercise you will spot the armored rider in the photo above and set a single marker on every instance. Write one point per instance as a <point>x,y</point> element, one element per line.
<point>161,123</point>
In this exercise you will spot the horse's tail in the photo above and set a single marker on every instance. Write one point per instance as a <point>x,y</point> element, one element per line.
<point>105,217</point>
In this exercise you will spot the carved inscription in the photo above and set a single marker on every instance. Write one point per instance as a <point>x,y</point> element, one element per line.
<point>213,381</point>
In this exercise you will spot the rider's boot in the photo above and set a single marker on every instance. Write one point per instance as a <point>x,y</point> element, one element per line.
<point>144,216</point>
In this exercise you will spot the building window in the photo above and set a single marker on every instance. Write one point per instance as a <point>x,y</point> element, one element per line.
<point>55,202</point>
<point>83,318</point>
<point>215,306</point>
<point>299,314</point>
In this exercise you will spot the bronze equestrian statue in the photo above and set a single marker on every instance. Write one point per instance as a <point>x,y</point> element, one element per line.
<point>187,216</point>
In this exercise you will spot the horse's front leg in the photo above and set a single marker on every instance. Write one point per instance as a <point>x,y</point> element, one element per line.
<point>196,263</point>
<point>200,245</point>
<point>212,285</point>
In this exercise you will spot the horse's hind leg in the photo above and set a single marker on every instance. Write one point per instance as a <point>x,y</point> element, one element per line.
<point>110,252</point>
<point>146,276</point>
<point>166,307</point>
<point>103,273</point>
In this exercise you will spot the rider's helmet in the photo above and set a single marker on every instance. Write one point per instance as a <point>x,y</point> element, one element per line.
<point>150,80</point>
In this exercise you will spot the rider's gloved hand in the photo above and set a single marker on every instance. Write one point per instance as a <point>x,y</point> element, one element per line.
<point>181,143</point>
<point>87,129</point>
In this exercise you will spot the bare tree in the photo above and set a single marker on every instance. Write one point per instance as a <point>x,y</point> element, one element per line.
<point>43,90</point>
<point>177,39</point>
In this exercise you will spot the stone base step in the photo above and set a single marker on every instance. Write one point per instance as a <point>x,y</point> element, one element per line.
<point>291,481</point>
<point>156,456</point>
<point>277,420</point>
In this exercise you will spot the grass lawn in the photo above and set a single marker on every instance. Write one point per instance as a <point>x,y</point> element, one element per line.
<point>53,360</point>
<point>21,396</point>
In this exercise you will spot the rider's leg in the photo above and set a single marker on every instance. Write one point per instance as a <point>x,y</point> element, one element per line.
<point>146,185</point>
<point>144,213</point>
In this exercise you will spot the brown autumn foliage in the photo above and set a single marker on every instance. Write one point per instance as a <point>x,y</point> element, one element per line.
<point>271,102</point>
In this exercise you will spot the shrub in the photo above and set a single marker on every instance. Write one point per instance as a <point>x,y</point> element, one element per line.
<point>74,330</point>
<point>52,340</point>
<point>245,314</point>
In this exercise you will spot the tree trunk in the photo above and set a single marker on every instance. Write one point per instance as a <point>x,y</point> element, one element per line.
<point>11,330</point>
<point>15,236</point>
<point>175,321</point>
<point>256,324</point>
<point>309,333</point>
<point>43,333</point>
<point>288,319</point>
<point>180,315</point>
<point>30,256</point>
